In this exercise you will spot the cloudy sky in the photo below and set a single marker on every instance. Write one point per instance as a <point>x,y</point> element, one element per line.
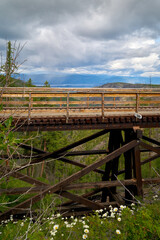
<point>112,37</point>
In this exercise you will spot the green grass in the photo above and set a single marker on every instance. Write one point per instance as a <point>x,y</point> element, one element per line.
<point>135,223</point>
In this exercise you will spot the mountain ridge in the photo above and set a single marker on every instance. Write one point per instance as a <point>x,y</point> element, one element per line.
<point>128,85</point>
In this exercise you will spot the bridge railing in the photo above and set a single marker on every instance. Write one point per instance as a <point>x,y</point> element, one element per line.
<point>95,99</point>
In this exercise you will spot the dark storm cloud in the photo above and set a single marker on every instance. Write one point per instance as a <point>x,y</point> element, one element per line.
<point>84,35</point>
<point>21,18</point>
<point>94,19</point>
<point>116,18</point>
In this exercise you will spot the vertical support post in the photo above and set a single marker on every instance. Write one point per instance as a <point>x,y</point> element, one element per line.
<point>102,105</point>
<point>67,114</point>
<point>133,165</point>
<point>129,161</point>
<point>115,141</point>
<point>138,171</point>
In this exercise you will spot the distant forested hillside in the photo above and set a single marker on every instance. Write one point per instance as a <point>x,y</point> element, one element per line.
<point>129,85</point>
<point>16,82</point>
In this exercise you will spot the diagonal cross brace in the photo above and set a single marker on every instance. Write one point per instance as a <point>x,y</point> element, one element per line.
<point>147,146</point>
<point>59,186</point>
<point>64,149</point>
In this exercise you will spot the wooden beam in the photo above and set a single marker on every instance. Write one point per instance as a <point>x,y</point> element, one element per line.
<point>151,140</point>
<point>117,198</point>
<point>11,172</point>
<point>147,146</point>
<point>59,186</point>
<point>66,160</point>
<point>147,150</point>
<point>150,159</point>
<point>89,152</point>
<point>31,148</point>
<point>79,199</point>
<point>129,163</point>
<point>80,207</point>
<point>67,154</point>
<point>115,140</point>
<point>138,171</point>
<point>64,149</point>
<point>85,195</point>
<point>74,153</point>
<point>102,184</point>
<point>76,186</point>
<point>23,190</point>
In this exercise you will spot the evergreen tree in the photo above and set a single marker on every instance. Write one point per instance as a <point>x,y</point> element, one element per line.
<point>29,83</point>
<point>46,84</point>
<point>10,65</point>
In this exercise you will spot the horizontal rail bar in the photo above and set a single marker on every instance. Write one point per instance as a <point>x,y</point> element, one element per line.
<point>73,101</point>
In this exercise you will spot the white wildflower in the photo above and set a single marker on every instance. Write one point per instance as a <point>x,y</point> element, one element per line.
<point>115,209</point>
<point>104,215</point>
<point>51,222</point>
<point>55,227</point>
<point>84,236</point>
<point>86,230</point>
<point>52,233</point>
<point>85,226</point>
<point>121,207</point>
<point>112,215</point>
<point>118,231</point>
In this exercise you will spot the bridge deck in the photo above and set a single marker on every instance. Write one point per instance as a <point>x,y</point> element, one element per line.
<point>60,109</point>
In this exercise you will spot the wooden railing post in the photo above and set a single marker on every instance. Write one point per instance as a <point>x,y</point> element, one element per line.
<point>60,102</point>
<point>137,102</point>
<point>87,102</point>
<point>67,113</point>
<point>102,105</point>
<point>29,107</point>
<point>114,102</point>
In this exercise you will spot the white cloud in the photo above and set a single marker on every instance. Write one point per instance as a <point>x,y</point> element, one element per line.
<point>87,36</point>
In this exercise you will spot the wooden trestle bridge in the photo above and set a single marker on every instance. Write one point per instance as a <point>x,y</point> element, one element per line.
<point>120,113</point>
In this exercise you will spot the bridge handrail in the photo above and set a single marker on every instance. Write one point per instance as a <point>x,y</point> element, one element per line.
<point>90,98</point>
<point>76,90</point>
